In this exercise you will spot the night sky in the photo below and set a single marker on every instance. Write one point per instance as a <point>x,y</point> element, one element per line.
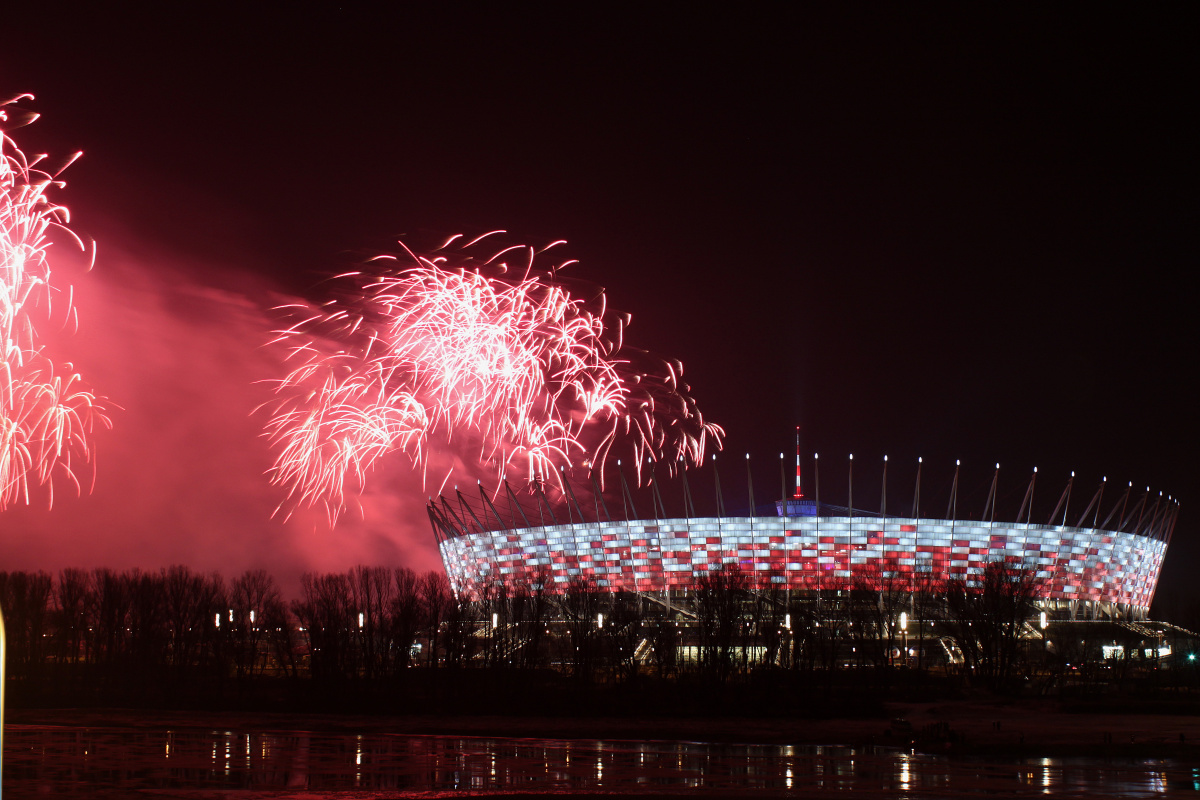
<point>923,232</point>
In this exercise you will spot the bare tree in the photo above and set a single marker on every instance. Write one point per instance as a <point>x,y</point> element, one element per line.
<point>25,597</point>
<point>324,612</point>
<point>530,613</point>
<point>147,619</point>
<point>70,614</point>
<point>663,634</point>
<point>768,612</point>
<point>718,599</point>
<point>986,615</point>
<point>876,599</point>
<point>829,626</point>
<point>109,615</point>
<point>250,597</point>
<point>373,591</point>
<point>462,622</point>
<point>928,602</point>
<point>805,645</point>
<point>281,640</point>
<point>191,603</point>
<point>492,606</point>
<point>625,629</point>
<point>408,614</point>
<point>580,604</point>
<point>436,602</point>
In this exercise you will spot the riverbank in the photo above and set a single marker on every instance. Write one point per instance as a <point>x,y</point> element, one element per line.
<point>1024,728</point>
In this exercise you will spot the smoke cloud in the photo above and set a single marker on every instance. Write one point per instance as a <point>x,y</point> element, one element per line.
<point>181,478</point>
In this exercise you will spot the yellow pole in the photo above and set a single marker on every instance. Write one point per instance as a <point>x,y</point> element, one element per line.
<point>3,662</point>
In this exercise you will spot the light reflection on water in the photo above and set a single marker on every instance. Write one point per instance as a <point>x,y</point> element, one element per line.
<point>40,760</point>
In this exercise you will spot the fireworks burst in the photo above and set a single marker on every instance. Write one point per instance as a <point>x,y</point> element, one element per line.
<point>454,348</point>
<point>47,415</point>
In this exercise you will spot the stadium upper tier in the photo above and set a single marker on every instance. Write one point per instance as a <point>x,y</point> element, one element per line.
<point>808,553</point>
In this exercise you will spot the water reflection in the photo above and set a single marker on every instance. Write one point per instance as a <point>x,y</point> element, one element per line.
<point>40,760</point>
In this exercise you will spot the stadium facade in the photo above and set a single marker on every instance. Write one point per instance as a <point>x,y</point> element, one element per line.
<point>1107,569</point>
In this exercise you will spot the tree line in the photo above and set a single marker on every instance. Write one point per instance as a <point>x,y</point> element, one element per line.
<point>87,631</point>
<point>176,620</point>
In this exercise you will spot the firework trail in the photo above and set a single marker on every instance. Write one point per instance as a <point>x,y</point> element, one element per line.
<point>47,415</point>
<point>455,348</point>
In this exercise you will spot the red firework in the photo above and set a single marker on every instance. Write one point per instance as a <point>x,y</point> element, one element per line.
<point>454,348</point>
<point>47,415</point>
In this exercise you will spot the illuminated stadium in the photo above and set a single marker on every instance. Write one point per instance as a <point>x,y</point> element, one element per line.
<point>1105,565</point>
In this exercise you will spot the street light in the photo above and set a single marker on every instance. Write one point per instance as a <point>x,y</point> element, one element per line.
<point>904,634</point>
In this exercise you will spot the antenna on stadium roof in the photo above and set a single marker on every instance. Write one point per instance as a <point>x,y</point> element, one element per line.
<point>917,491</point>
<point>1067,504</point>
<point>952,509</point>
<point>655,494</point>
<point>689,508</point>
<point>598,499</point>
<point>883,491</point>
<point>750,486</point>
<point>1027,503</point>
<point>817,480</point>
<point>626,495</point>
<point>850,483</point>
<point>990,505</point>
<point>799,490</point>
<point>571,497</point>
<point>717,482</point>
<point>1094,504</point>
<point>782,480</point>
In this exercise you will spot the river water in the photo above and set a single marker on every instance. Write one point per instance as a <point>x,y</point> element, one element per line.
<point>76,762</point>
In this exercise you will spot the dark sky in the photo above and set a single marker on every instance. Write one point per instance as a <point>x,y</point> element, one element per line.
<point>930,231</point>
